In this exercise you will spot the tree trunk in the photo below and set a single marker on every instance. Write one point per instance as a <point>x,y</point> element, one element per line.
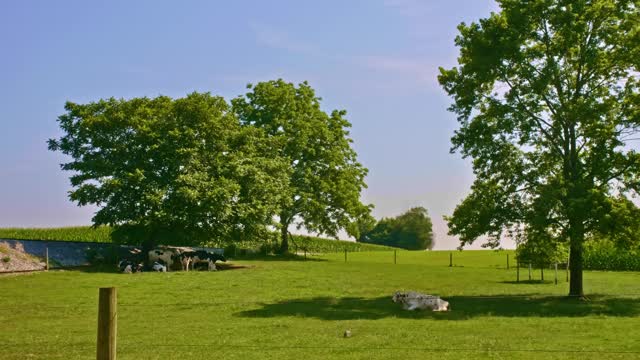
<point>284,238</point>
<point>148,245</point>
<point>575,265</point>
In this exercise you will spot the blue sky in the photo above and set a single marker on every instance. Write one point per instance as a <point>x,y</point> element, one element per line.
<point>377,59</point>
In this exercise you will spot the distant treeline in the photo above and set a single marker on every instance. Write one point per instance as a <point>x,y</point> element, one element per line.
<point>411,230</point>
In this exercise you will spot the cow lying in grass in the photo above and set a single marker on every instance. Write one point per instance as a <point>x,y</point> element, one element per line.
<point>158,266</point>
<point>129,266</point>
<point>192,258</point>
<point>415,301</point>
<point>169,257</point>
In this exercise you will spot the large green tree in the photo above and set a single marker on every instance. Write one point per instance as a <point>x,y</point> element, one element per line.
<point>411,230</point>
<point>185,166</point>
<point>325,177</point>
<point>547,95</point>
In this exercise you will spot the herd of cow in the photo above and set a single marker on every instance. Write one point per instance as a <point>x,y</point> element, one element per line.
<point>170,257</point>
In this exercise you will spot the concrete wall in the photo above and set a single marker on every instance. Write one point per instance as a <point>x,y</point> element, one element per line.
<point>71,253</point>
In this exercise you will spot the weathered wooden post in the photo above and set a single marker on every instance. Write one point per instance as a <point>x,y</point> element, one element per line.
<point>450,259</point>
<point>107,324</point>
<point>46,256</point>
<point>542,273</point>
<point>507,261</point>
<point>556,270</point>
<point>529,271</point>
<point>395,259</point>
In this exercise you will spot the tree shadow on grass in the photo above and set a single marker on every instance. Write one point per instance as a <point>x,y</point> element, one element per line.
<point>462,308</point>
<point>529,282</point>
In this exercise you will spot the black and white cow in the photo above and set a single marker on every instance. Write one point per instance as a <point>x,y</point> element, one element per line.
<point>129,266</point>
<point>159,266</point>
<point>193,258</point>
<point>166,256</point>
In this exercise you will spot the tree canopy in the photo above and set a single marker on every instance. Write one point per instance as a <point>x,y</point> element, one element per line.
<point>185,164</point>
<point>325,178</point>
<point>547,95</point>
<point>411,230</point>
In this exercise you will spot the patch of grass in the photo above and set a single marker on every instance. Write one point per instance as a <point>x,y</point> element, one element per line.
<point>300,309</point>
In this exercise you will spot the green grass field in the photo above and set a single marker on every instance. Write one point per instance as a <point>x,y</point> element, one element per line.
<point>299,310</point>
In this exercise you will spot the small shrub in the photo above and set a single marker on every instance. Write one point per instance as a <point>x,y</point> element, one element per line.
<point>6,259</point>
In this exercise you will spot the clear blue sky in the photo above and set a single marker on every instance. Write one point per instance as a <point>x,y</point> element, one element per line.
<point>377,59</point>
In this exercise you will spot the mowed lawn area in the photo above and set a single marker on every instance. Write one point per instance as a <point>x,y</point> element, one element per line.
<point>276,309</point>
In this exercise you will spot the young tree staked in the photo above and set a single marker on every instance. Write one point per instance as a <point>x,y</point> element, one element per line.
<point>547,95</point>
<point>325,178</point>
<point>185,165</point>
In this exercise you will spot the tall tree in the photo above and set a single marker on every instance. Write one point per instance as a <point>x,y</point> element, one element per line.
<point>412,230</point>
<point>548,100</point>
<point>325,177</point>
<point>184,165</point>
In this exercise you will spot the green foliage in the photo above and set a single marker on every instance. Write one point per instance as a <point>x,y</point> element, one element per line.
<point>319,245</point>
<point>411,230</point>
<point>182,166</point>
<point>75,233</point>
<point>133,236</point>
<point>542,255</point>
<point>324,177</point>
<point>6,259</point>
<point>363,224</point>
<point>604,254</point>
<point>547,97</point>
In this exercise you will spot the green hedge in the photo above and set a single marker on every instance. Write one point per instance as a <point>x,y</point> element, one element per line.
<point>73,233</point>
<point>319,245</point>
<point>104,234</point>
<point>603,255</point>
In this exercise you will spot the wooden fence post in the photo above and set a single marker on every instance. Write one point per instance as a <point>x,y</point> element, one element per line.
<point>395,256</point>
<point>542,274</point>
<point>556,270</point>
<point>450,259</point>
<point>46,256</point>
<point>529,271</point>
<point>517,271</point>
<point>107,324</point>
<point>507,261</point>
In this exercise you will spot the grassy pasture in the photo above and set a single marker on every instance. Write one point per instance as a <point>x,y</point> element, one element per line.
<point>299,309</point>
